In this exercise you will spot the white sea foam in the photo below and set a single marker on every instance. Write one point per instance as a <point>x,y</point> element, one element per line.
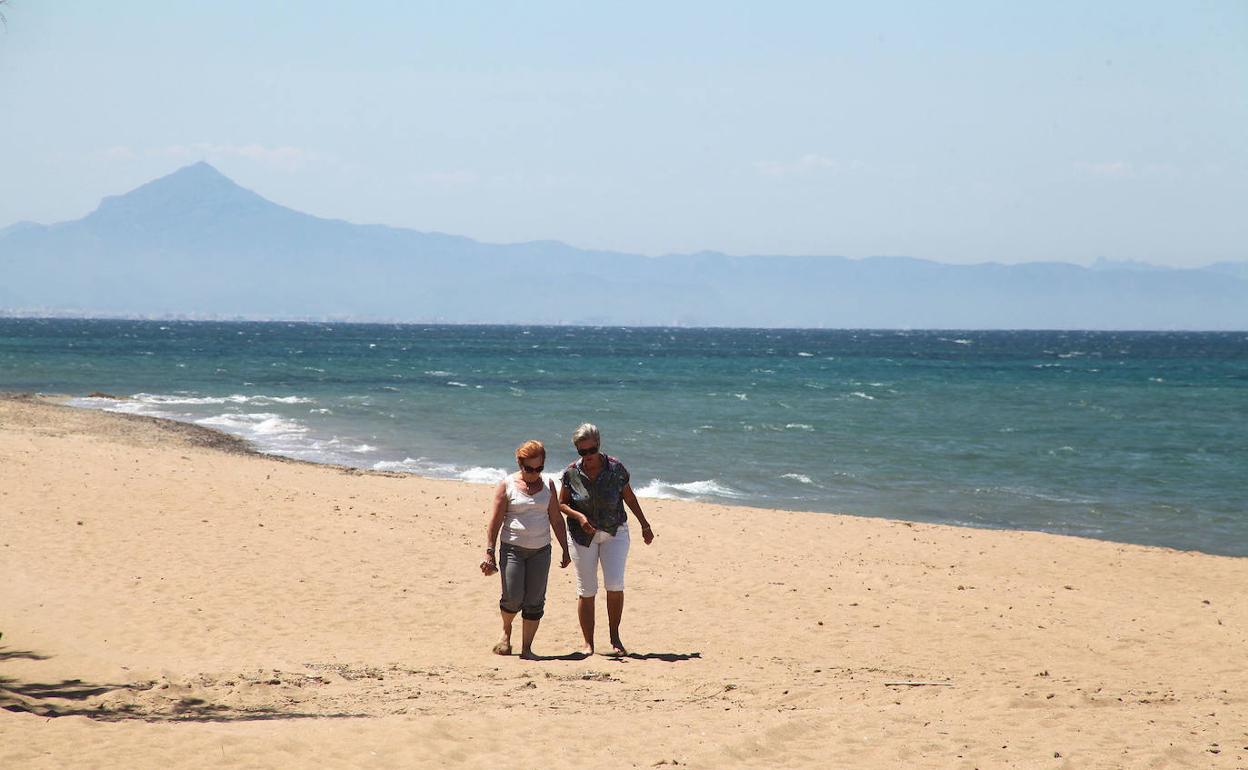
<point>860,394</point>
<point>689,490</point>
<point>806,355</point>
<point>395,466</point>
<point>803,478</point>
<point>482,475</point>
<point>268,432</point>
<point>423,466</point>
<point>799,426</point>
<point>439,373</point>
<point>187,399</point>
<point>124,406</point>
<point>262,424</point>
<point>456,384</point>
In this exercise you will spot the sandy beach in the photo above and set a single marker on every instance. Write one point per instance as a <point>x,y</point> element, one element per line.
<point>170,599</point>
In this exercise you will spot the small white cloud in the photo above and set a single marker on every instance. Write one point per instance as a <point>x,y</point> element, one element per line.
<point>286,158</point>
<point>807,164</point>
<point>1113,169</point>
<point>120,153</point>
<point>283,158</point>
<point>459,178</point>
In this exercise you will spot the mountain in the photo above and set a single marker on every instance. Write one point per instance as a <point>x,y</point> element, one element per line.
<point>196,244</point>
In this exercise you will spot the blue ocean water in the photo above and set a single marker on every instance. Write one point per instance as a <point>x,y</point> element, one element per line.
<point>1134,437</point>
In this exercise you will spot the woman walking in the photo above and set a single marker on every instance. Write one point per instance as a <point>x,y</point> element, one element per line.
<point>594,491</point>
<point>525,510</point>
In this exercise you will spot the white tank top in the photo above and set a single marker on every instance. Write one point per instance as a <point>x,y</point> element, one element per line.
<point>526,523</point>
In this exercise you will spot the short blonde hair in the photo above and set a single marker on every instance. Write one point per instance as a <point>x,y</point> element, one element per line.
<point>586,430</point>
<point>530,449</point>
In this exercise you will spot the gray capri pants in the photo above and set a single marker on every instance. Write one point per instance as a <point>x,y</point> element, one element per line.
<point>524,572</point>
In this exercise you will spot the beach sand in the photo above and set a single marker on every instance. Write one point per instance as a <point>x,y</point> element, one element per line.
<point>169,599</point>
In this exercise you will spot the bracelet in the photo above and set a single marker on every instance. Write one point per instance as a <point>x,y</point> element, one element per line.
<point>490,550</point>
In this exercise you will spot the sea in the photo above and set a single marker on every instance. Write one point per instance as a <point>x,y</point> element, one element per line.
<point>1137,437</point>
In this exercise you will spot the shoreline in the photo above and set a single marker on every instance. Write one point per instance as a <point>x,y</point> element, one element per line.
<point>240,444</point>
<point>168,604</point>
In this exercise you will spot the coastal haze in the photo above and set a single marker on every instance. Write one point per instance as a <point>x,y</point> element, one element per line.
<point>194,244</point>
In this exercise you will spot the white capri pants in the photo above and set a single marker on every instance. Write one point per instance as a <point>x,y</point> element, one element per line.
<point>611,551</point>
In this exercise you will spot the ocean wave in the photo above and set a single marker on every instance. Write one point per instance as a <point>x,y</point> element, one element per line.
<point>262,424</point>
<point>1035,494</point>
<point>860,394</point>
<point>799,426</point>
<point>423,466</point>
<point>691,490</point>
<point>803,478</point>
<point>162,399</point>
<point>123,406</point>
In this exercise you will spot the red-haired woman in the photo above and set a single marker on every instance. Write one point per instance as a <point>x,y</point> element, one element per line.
<point>525,510</point>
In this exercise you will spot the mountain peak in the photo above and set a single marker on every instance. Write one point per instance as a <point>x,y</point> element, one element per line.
<point>200,170</point>
<point>198,189</point>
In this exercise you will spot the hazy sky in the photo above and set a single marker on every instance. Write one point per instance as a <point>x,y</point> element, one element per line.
<point>960,132</point>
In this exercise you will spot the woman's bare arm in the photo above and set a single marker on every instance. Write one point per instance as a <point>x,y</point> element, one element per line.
<point>630,499</point>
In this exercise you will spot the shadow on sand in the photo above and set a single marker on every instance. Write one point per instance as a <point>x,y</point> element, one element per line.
<point>666,657</point>
<point>7,654</point>
<point>68,698</point>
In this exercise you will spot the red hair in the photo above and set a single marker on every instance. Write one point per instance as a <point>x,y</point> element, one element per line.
<point>530,449</point>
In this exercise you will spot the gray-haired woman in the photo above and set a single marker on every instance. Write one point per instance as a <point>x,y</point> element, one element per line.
<point>594,491</point>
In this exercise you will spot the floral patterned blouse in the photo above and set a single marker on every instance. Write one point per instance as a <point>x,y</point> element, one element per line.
<point>600,500</point>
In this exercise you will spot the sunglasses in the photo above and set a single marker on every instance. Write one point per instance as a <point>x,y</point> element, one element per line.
<point>587,450</point>
<point>532,468</point>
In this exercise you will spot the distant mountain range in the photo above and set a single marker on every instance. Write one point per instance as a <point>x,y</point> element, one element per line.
<point>195,244</point>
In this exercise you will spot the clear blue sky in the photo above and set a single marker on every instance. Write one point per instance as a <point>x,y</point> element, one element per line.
<point>960,132</point>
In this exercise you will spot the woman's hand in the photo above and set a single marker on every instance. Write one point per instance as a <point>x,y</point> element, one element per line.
<point>566,560</point>
<point>488,565</point>
<point>647,534</point>
<point>588,528</point>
